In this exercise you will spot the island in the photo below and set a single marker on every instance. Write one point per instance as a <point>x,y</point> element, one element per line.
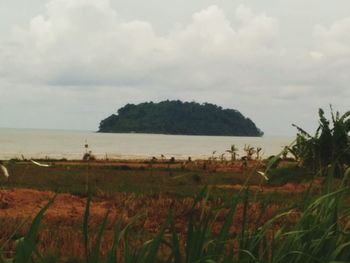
<point>179,118</point>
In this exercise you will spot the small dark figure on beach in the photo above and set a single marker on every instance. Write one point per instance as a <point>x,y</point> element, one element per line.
<point>244,164</point>
<point>88,156</point>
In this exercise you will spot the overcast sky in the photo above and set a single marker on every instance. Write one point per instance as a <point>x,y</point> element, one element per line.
<point>67,64</point>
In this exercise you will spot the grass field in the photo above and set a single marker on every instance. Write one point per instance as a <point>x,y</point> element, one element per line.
<point>128,189</point>
<point>113,179</point>
<point>139,178</point>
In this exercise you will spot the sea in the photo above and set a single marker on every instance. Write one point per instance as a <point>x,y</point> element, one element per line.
<point>71,145</point>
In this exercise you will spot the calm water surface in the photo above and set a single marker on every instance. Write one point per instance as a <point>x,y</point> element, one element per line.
<point>70,144</point>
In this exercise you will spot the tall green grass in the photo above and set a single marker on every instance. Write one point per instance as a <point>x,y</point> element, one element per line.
<point>320,233</point>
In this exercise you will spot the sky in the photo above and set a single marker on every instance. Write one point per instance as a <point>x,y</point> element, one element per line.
<point>68,64</point>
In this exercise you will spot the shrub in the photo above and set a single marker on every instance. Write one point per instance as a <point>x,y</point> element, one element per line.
<point>293,173</point>
<point>329,145</point>
<point>196,178</point>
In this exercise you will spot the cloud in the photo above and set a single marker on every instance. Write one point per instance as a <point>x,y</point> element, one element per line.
<point>84,53</point>
<point>331,57</point>
<point>81,43</point>
<point>334,42</point>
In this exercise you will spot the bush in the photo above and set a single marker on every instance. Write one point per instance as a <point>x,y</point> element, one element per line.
<point>289,174</point>
<point>196,178</point>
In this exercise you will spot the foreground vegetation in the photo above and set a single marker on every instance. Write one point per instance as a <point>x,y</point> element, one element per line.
<point>330,145</point>
<point>316,230</point>
<point>159,178</point>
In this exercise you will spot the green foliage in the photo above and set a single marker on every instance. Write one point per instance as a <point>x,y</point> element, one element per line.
<point>110,180</point>
<point>176,117</point>
<point>26,246</point>
<point>283,175</point>
<point>51,258</point>
<point>329,145</point>
<point>196,178</point>
<point>92,257</point>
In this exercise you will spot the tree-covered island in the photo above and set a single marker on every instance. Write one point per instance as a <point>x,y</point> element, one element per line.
<point>177,117</point>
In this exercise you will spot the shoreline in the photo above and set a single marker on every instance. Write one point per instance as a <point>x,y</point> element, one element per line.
<point>58,144</point>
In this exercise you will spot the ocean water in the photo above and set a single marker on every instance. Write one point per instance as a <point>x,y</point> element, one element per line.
<point>33,143</point>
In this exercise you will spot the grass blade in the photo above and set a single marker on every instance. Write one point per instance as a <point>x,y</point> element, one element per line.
<point>86,228</point>
<point>26,246</point>
<point>96,250</point>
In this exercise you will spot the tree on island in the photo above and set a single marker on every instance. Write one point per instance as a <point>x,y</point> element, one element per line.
<point>177,117</point>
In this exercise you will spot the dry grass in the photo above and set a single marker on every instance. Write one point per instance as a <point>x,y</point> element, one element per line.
<point>61,228</point>
<point>127,189</point>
